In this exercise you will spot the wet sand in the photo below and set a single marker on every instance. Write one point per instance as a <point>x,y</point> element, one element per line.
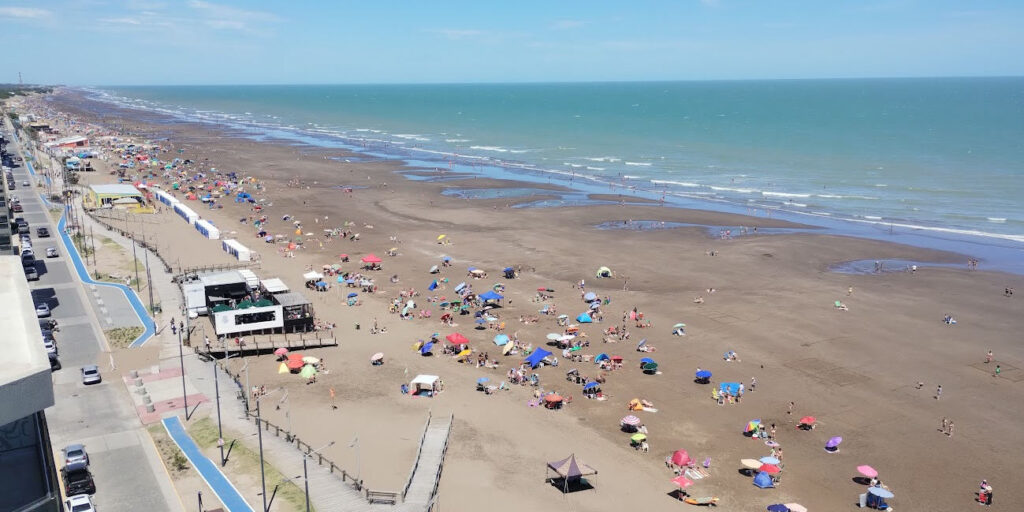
<point>856,370</point>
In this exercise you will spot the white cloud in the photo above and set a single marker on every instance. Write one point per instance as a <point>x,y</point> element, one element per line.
<point>121,21</point>
<point>455,34</point>
<point>567,24</point>
<point>23,12</point>
<point>232,13</point>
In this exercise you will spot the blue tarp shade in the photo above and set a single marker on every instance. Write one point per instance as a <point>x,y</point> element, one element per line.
<point>584,318</point>
<point>490,295</point>
<point>590,385</point>
<point>763,480</point>
<point>536,357</point>
<point>501,339</point>
<point>703,374</point>
<point>433,285</point>
<point>732,387</point>
<point>427,347</point>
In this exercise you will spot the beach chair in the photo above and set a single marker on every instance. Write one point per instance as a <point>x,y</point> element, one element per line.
<point>714,394</point>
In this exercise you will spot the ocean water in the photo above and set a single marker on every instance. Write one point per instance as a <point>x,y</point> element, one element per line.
<point>937,155</point>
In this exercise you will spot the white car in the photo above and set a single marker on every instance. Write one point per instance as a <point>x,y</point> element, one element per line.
<point>91,375</point>
<point>42,310</point>
<point>79,503</point>
<point>51,252</point>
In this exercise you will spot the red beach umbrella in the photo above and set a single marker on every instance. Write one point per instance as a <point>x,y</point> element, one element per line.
<point>771,469</point>
<point>807,420</point>
<point>553,398</point>
<point>294,364</point>
<point>682,481</point>
<point>457,339</point>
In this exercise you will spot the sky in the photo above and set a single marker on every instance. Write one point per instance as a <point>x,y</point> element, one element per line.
<point>149,42</point>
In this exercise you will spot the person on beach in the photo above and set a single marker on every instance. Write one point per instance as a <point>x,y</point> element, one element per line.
<point>938,392</point>
<point>950,432</point>
<point>753,384</point>
<point>988,357</point>
<point>790,411</point>
<point>996,373</point>
<point>945,424</point>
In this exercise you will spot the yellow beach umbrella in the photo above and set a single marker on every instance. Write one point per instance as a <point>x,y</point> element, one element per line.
<point>507,349</point>
<point>464,353</point>
<point>283,368</point>
<point>441,237</point>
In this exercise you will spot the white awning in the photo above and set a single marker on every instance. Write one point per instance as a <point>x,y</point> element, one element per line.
<point>310,276</point>
<point>274,285</point>
<point>425,380</point>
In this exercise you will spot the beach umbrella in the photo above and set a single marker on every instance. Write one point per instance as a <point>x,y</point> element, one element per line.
<point>646,360</point>
<point>281,351</point>
<point>590,385</point>
<point>294,364</point>
<point>553,398</point>
<point>778,507</point>
<point>763,481</point>
<point>631,420</point>
<point>680,324</point>
<point>650,367</point>
<point>752,425</point>
<point>769,460</point>
<point>682,481</point>
<point>379,356</point>
<point>307,372</point>
<point>441,237</point>
<point>642,343</point>
<point>881,492</point>
<point>796,507</point>
<point>464,353</point>
<point>481,320</point>
<point>501,339</point>
<point>282,368</point>
<point>590,297</point>
<point>584,318</point>
<point>433,269</point>
<point>771,443</point>
<point>680,458</point>
<point>353,294</point>
<point>508,348</point>
<point>446,258</point>
<point>457,339</point>
<point>553,336</point>
<point>566,337</point>
<point>867,471</point>
<point>636,438</point>
<point>834,442</point>
<point>482,380</point>
<point>750,463</point>
<point>807,420</point>
<point>771,469</point>
<point>310,360</point>
<point>703,374</point>
<point>427,347</point>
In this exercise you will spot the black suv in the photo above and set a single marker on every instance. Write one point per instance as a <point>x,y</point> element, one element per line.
<point>42,233</point>
<point>77,479</point>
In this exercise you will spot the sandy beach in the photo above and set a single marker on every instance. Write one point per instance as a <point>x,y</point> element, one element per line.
<point>857,371</point>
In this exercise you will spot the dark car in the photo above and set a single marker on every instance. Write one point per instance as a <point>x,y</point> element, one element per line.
<point>77,479</point>
<point>17,208</point>
<point>43,233</point>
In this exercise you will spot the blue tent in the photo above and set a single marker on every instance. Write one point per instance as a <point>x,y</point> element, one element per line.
<point>536,357</point>
<point>601,357</point>
<point>763,480</point>
<point>491,295</point>
<point>584,318</point>
<point>433,285</point>
<point>427,347</point>
<point>501,339</point>
<point>732,387</point>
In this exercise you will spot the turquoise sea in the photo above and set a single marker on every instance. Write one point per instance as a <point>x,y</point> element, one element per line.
<point>935,156</point>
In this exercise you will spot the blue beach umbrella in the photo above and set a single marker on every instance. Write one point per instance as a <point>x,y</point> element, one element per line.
<point>482,380</point>
<point>590,385</point>
<point>646,360</point>
<point>353,294</point>
<point>481,320</point>
<point>584,318</point>
<point>427,347</point>
<point>590,297</point>
<point>501,339</point>
<point>703,374</point>
<point>768,460</point>
<point>778,507</point>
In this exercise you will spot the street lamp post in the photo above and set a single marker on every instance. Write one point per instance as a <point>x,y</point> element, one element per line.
<point>184,390</point>
<point>305,470</point>
<point>220,430</point>
<point>259,430</point>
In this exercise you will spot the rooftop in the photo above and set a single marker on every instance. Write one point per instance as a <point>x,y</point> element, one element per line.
<point>221,278</point>
<point>25,382</point>
<point>117,189</point>
<point>291,299</point>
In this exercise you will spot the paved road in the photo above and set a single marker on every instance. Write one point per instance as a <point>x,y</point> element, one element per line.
<point>127,469</point>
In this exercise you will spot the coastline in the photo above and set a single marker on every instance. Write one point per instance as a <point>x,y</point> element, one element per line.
<point>838,365</point>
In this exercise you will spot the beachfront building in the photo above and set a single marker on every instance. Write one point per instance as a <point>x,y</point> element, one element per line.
<point>28,472</point>
<point>114,196</point>
<point>77,141</point>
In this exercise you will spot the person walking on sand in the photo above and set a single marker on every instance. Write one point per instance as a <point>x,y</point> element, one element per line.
<point>753,383</point>
<point>938,392</point>
<point>988,357</point>
<point>950,432</point>
<point>996,373</point>
<point>945,424</point>
<point>790,411</point>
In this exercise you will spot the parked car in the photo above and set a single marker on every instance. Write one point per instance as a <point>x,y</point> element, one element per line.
<point>31,274</point>
<point>51,347</point>
<point>17,208</point>
<point>48,324</point>
<point>42,310</point>
<point>77,479</point>
<point>25,183</point>
<point>79,503</point>
<point>75,453</point>
<point>43,233</point>
<point>91,375</point>
<point>51,252</point>
<point>54,362</point>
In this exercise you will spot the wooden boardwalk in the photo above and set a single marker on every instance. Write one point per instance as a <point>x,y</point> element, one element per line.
<point>422,487</point>
<point>256,345</point>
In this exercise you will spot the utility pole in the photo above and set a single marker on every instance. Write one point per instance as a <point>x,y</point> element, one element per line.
<point>149,276</point>
<point>184,390</point>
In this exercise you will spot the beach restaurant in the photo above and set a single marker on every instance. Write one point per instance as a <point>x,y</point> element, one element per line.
<point>113,196</point>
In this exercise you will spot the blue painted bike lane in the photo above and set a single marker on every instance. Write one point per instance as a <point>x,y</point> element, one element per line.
<point>83,273</point>
<point>211,474</point>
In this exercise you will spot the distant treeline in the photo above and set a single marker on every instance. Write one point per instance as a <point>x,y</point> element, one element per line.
<point>7,90</point>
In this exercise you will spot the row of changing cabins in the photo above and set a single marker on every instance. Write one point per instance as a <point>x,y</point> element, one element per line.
<point>204,227</point>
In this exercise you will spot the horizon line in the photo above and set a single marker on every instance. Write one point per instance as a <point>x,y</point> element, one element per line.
<point>537,82</point>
